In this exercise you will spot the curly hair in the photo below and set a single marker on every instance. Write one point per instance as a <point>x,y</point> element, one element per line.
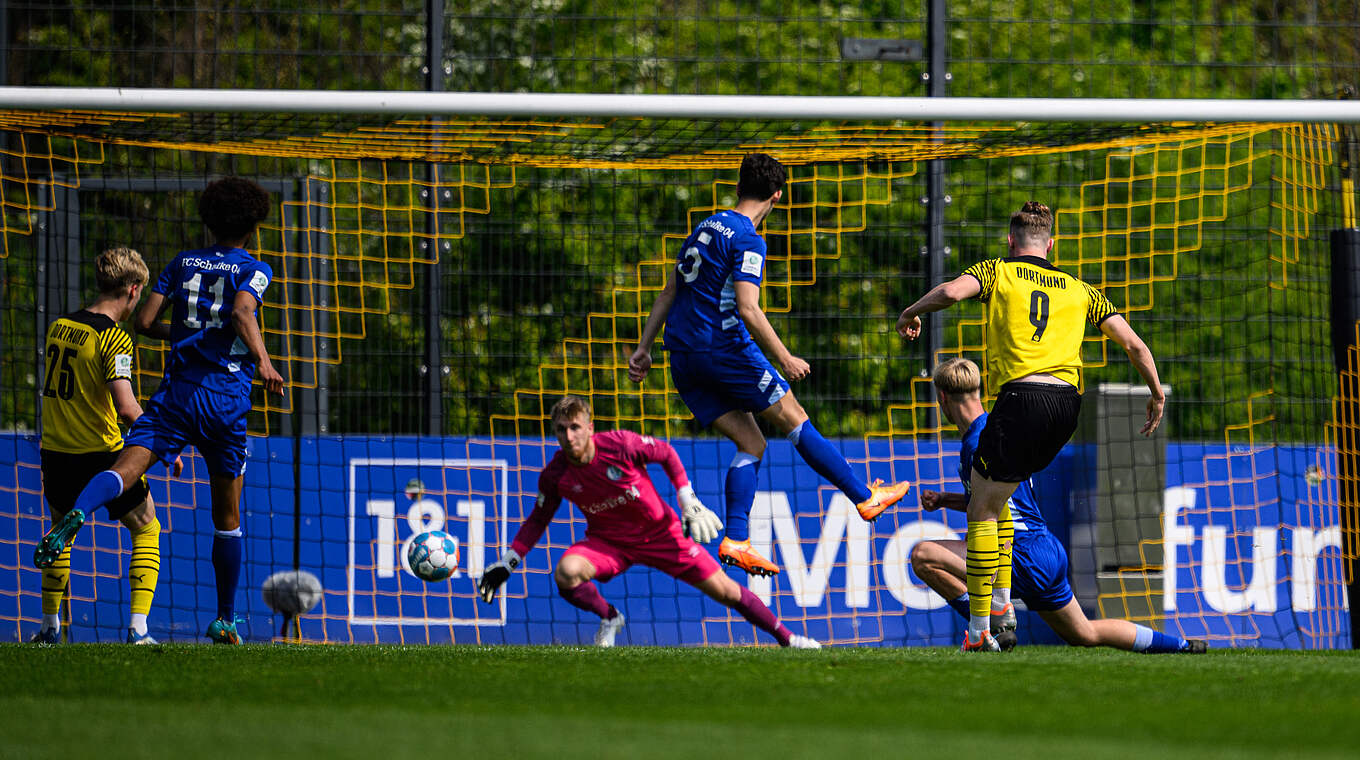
<point>232,207</point>
<point>761,176</point>
<point>1032,225</point>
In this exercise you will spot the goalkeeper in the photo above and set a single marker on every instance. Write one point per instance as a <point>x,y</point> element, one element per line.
<point>627,523</point>
<point>1039,563</point>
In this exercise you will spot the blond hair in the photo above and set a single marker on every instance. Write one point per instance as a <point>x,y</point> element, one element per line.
<point>117,268</point>
<point>958,376</point>
<point>1031,226</point>
<point>569,407</point>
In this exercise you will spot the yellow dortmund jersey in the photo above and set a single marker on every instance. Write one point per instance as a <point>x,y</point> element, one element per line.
<point>85,351</point>
<point>1036,317</point>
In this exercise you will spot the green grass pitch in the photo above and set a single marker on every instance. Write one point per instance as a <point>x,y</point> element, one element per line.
<point>100,702</point>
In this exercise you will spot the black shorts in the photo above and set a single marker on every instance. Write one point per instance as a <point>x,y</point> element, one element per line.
<point>1028,426</point>
<point>65,475</point>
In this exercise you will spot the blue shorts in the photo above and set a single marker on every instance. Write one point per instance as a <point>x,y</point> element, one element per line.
<point>713,383</point>
<point>181,414</point>
<point>1039,570</point>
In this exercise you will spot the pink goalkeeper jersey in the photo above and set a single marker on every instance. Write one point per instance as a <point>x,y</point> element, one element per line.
<point>613,491</point>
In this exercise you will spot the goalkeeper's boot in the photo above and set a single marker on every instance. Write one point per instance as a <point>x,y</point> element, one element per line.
<point>880,498</point>
<point>1195,646</point>
<point>46,637</point>
<point>57,539</point>
<point>740,554</point>
<point>803,642</point>
<point>143,639</point>
<point>223,632</point>
<point>609,629</point>
<point>984,643</point>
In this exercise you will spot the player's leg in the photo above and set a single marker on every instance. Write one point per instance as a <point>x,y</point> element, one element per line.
<point>789,418</point>
<point>1071,623</point>
<point>729,593</point>
<point>575,575</point>
<point>940,565</point>
<point>102,488</point>
<point>984,507</point>
<point>1003,613</point>
<point>740,427</point>
<point>228,548</point>
<point>144,567</point>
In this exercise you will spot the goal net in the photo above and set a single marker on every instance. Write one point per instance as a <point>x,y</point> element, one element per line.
<point>441,281</point>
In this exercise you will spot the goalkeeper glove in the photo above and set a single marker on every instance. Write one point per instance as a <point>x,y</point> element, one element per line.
<point>700,522</point>
<point>497,574</point>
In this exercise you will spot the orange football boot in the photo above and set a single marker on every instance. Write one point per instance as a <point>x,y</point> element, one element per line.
<point>880,498</point>
<point>741,554</point>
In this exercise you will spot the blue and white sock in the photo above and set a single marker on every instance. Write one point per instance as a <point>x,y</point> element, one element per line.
<point>227,548</point>
<point>741,493</point>
<point>828,462</point>
<point>1155,642</point>
<point>102,489</point>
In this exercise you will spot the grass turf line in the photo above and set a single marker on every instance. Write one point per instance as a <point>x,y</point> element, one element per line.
<point>523,702</point>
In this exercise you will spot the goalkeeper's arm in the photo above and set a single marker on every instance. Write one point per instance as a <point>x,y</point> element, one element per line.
<point>496,575</point>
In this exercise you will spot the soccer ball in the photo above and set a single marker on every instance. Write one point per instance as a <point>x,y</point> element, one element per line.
<point>291,592</point>
<point>433,555</point>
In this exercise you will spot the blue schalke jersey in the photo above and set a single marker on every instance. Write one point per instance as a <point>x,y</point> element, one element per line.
<point>722,249</point>
<point>1024,507</point>
<point>201,286</point>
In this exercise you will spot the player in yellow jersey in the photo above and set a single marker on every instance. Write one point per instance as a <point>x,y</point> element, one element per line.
<point>87,389</point>
<point>1036,318</point>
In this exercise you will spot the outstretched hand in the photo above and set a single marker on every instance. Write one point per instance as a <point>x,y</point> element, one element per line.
<point>1154,415</point>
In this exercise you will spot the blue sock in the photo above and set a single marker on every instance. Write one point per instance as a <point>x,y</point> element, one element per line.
<point>827,461</point>
<point>102,489</point>
<point>1155,642</point>
<point>226,558</point>
<point>960,605</point>
<point>741,493</point>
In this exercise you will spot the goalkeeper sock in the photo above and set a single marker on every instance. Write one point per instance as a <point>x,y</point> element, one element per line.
<point>981,562</point>
<point>227,548</point>
<point>741,493</point>
<point>1005,537</point>
<point>143,571</point>
<point>54,580</point>
<point>587,597</point>
<point>757,614</point>
<point>828,462</point>
<point>102,489</point>
<point>960,604</point>
<point>1149,641</point>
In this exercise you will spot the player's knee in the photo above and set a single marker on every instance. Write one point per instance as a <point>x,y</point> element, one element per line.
<point>925,557</point>
<point>141,516</point>
<point>1082,636</point>
<point>571,572</point>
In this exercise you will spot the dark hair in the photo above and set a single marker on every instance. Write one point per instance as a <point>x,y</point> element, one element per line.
<point>761,176</point>
<point>232,207</point>
<point>1032,225</point>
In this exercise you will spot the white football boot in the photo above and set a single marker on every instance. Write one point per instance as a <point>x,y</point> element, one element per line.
<point>608,630</point>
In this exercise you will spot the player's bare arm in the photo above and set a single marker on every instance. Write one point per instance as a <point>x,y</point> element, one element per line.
<point>243,319</point>
<point>1117,329</point>
<point>941,296</point>
<point>933,500</point>
<point>748,306</point>
<point>148,320</point>
<point>641,360</point>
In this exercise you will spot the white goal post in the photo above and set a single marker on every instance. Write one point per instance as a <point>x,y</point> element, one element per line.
<point>1129,110</point>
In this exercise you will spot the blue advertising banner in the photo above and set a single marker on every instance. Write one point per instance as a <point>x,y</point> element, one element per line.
<point>1250,538</point>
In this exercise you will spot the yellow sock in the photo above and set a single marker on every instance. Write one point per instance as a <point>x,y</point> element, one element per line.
<point>981,563</point>
<point>145,568</point>
<point>1005,536</point>
<point>54,580</point>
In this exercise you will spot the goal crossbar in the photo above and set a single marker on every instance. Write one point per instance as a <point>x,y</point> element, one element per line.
<point>1129,110</point>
